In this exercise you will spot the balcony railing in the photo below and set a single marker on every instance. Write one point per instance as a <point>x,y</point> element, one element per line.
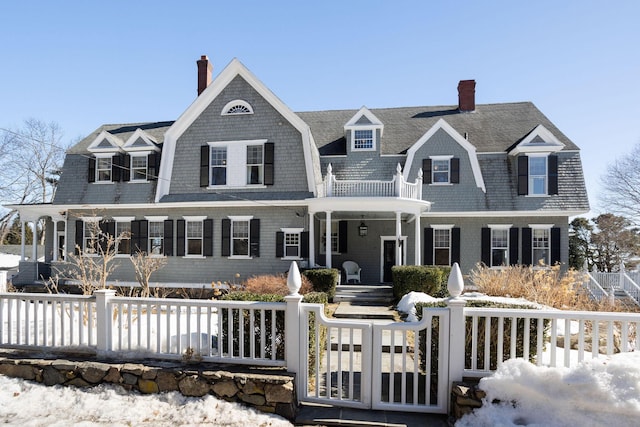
<point>396,187</point>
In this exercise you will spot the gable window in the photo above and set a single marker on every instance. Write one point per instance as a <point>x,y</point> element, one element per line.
<point>123,236</point>
<point>237,107</point>
<point>538,174</point>
<point>156,237</point>
<point>103,169</point>
<point>139,164</point>
<point>363,139</point>
<point>254,164</point>
<point>442,246</point>
<point>441,170</point>
<point>218,166</point>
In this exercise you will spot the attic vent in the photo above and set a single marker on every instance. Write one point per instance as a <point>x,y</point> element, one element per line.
<point>236,107</point>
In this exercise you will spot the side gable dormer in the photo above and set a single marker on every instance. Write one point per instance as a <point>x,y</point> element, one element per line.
<point>537,163</point>
<point>363,131</point>
<point>450,163</point>
<point>141,160</point>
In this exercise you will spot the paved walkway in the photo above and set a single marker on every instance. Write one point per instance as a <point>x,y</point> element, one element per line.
<point>321,415</point>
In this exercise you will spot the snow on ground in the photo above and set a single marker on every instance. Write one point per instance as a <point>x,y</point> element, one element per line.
<point>598,392</point>
<point>25,403</point>
<point>9,261</point>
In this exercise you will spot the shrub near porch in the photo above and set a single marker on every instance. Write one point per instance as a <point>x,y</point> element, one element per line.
<point>420,278</point>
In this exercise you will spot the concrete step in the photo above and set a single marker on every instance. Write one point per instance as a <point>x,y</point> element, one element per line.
<point>379,294</point>
<point>364,310</point>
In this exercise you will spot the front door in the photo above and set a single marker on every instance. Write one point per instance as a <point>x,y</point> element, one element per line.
<point>388,259</point>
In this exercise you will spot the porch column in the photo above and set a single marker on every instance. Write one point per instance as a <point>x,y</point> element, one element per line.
<point>312,242</point>
<point>416,258</point>
<point>22,237</point>
<point>398,234</point>
<point>34,241</point>
<point>55,240</point>
<point>327,240</point>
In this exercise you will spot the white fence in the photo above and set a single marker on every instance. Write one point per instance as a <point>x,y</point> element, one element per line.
<point>396,187</point>
<point>622,281</point>
<point>396,366</point>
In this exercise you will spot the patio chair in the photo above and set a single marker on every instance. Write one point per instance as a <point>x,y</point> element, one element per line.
<point>351,271</point>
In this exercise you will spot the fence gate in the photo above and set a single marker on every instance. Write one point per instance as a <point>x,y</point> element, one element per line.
<point>395,366</point>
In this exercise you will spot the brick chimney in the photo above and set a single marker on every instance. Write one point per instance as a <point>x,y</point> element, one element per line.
<point>467,95</point>
<point>204,73</point>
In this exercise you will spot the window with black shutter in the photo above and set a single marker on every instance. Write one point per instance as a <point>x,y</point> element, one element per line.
<point>168,237</point>
<point>208,237</point>
<point>180,237</point>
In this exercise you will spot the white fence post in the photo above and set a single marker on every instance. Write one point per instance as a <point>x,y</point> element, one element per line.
<point>103,319</point>
<point>457,332</point>
<point>292,324</point>
<point>3,280</point>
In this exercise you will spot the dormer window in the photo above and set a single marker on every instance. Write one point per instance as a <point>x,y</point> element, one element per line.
<point>103,169</point>
<point>363,139</point>
<point>441,170</point>
<point>139,167</point>
<point>236,107</point>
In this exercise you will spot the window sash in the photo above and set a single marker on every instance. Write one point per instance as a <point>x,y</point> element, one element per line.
<point>218,166</point>
<point>499,247</point>
<point>103,168</point>
<point>292,245</point>
<point>123,238</point>
<point>540,245</point>
<point>91,237</point>
<point>194,237</point>
<point>442,247</point>
<point>240,238</point>
<point>139,168</point>
<point>537,175</point>
<point>156,237</point>
<point>363,139</point>
<point>440,171</point>
<point>255,164</point>
<point>335,242</point>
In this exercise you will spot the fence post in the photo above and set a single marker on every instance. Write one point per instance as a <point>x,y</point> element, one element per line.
<point>292,324</point>
<point>103,319</point>
<point>455,286</point>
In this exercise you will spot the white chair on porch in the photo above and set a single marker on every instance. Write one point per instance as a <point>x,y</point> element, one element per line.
<point>351,271</point>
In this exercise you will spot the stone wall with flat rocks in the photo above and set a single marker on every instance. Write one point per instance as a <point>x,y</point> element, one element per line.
<point>267,392</point>
<point>465,397</point>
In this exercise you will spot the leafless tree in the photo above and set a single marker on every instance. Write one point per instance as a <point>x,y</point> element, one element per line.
<point>30,160</point>
<point>144,266</point>
<point>621,185</point>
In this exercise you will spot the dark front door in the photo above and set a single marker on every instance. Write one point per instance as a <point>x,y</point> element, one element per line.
<point>389,259</point>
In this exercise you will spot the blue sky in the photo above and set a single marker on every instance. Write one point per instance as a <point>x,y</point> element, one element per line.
<point>85,63</point>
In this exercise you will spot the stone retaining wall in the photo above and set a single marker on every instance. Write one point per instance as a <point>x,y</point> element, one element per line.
<point>465,397</point>
<point>267,392</point>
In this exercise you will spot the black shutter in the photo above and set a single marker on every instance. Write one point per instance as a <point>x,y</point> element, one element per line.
<point>126,167</point>
<point>342,237</point>
<point>552,164</point>
<point>426,171</point>
<point>455,170</point>
<point>207,250</point>
<point>116,167</point>
<point>135,233</point>
<point>527,253</point>
<point>513,246</point>
<point>304,244</point>
<point>226,237</point>
<point>204,166</point>
<point>254,238</point>
<point>153,166</point>
<point>485,245</point>
<point>92,170</point>
<point>279,244</point>
<point>168,237</point>
<point>142,239</point>
<point>268,163</point>
<point>555,245</point>
<point>455,245</point>
<point>180,235</point>
<point>79,237</point>
<point>428,246</point>
<point>523,175</point>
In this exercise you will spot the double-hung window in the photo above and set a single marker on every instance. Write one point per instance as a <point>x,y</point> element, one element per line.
<point>442,246</point>
<point>335,237</point>
<point>254,164</point>
<point>537,175</point>
<point>291,242</point>
<point>363,139</point>
<point>156,237</point>
<point>440,171</point>
<point>240,237</point>
<point>123,236</point>
<point>91,237</point>
<point>139,165</point>
<point>499,246</point>
<point>194,236</point>
<point>103,169</point>
<point>218,166</point>
<point>540,246</point>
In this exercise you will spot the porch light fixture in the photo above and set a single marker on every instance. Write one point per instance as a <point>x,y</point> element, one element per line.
<point>363,229</point>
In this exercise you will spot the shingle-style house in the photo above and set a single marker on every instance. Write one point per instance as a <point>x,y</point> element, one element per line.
<point>239,183</point>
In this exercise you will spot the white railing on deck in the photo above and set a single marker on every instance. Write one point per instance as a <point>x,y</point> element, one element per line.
<point>594,288</point>
<point>47,321</point>
<point>607,281</point>
<point>396,187</point>
<point>540,336</point>
<point>630,287</point>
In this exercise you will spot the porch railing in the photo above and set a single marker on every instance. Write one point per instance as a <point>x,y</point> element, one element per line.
<point>396,187</point>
